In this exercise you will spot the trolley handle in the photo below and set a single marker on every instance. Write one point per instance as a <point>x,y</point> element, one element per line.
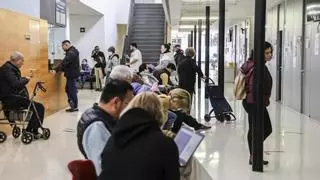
<point>210,81</point>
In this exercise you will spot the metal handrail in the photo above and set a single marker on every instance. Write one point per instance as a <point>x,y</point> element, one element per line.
<point>129,35</point>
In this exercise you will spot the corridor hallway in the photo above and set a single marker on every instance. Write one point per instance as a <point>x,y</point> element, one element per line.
<point>292,149</point>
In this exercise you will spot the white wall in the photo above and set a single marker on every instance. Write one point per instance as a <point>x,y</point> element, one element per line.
<point>123,11</point>
<point>28,7</point>
<point>93,36</point>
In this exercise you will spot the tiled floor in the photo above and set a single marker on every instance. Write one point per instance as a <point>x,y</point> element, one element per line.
<point>292,149</point>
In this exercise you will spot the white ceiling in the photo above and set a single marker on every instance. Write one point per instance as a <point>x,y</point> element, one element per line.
<point>236,10</point>
<point>76,7</point>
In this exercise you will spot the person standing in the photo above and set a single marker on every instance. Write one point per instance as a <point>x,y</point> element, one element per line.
<point>166,56</point>
<point>71,67</point>
<point>187,72</point>
<point>135,58</point>
<point>99,58</point>
<point>113,60</point>
<point>249,103</point>
<point>179,55</point>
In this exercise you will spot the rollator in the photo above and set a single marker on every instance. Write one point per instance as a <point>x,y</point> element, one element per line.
<point>21,117</point>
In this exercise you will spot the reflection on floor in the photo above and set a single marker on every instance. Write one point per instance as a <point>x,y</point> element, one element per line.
<point>292,149</point>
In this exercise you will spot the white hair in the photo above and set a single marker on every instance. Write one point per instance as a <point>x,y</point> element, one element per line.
<point>16,55</point>
<point>121,72</point>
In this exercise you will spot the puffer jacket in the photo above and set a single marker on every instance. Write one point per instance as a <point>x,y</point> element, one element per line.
<point>248,70</point>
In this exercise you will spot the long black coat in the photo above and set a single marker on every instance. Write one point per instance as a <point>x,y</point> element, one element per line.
<point>187,74</point>
<point>138,150</point>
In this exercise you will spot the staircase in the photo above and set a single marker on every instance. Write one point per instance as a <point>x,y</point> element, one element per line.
<point>147,30</point>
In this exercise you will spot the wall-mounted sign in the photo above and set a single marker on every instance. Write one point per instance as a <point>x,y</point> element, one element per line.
<point>61,9</point>
<point>82,29</point>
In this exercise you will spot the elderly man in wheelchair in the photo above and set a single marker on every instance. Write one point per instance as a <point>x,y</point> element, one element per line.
<point>16,103</point>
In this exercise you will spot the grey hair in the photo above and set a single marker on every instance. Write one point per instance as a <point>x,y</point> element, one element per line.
<point>16,55</point>
<point>121,72</point>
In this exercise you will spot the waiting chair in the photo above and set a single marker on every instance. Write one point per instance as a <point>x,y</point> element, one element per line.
<point>82,170</point>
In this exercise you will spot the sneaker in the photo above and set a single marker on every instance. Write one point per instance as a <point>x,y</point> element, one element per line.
<point>72,110</point>
<point>37,136</point>
<point>202,127</point>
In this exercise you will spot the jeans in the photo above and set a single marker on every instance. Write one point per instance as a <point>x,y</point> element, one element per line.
<point>72,91</point>
<point>19,102</point>
<point>250,109</point>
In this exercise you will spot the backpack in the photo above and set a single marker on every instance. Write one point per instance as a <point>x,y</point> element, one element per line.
<point>239,88</point>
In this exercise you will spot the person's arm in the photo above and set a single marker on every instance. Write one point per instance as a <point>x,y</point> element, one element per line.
<point>14,81</point>
<point>197,69</point>
<point>94,141</point>
<point>165,79</point>
<point>171,163</point>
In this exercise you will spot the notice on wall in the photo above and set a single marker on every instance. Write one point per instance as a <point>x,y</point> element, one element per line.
<point>317,44</point>
<point>61,13</point>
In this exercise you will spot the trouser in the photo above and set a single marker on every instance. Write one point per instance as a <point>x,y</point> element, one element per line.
<point>99,77</point>
<point>72,91</point>
<point>250,109</point>
<point>19,102</point>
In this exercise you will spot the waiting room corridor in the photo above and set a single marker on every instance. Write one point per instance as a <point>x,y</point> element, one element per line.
<point>292,149</point>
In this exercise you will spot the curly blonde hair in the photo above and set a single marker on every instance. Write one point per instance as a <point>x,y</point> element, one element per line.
<point>181,98</point>
<point>149,102</point>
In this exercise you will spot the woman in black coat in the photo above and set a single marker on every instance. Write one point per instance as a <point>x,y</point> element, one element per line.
<point>137,149</point>
<point>187,72</point>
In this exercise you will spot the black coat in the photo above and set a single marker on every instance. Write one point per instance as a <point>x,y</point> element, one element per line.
<point>187,74</point>
<point>99,58</point>
<point>11,82</point>
<point>179,57</point>
<point>70,64</point>
<point>138,150</point>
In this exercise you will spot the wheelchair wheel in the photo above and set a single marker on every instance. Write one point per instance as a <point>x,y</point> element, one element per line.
<point>16,131</point>
<point>26,138</point>
<point>207,117</point>
<point>46,133</point>
<point>3,137</point>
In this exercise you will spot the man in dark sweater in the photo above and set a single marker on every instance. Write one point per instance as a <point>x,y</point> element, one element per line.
<point>99,67</point>
<point>71,68</point>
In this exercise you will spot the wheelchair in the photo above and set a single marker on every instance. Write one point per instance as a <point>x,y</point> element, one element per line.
<point>19,118</point>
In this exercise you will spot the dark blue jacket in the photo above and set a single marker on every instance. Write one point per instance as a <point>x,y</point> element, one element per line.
<point>70,64</point>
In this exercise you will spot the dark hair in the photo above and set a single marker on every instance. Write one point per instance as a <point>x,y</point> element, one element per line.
<point>66,41</point>
<point>171,66</point>
<point>167,46</point>
<point>112,49</point>
<point>115,88</point>
<point>142,67</point>
<point>267,45</point>
<point>84,60</point>
<point>177,46</point>
<point>134,45</point>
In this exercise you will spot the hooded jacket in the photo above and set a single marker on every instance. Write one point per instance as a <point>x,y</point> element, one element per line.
<point>248,70</point>
<point>138,150</point>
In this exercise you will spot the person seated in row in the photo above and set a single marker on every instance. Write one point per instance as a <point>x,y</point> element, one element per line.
<point>14,93</point>
<point>137,148</point>
<point>163,75</point>
<point>180,103</point>
<point>84,72</point>
<point>97,123</point>
<point>121,72</point>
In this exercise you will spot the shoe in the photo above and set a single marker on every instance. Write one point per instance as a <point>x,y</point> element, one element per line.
<point>264,162</point>
<point>202,127</point>
<point>37,135</point>
<point>72,110</point>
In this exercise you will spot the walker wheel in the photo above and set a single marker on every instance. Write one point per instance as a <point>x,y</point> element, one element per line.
<point>27,138</point>
<point>46,133</point>
<point>16,131</point>
<point>207,117</point>
<point>3,137</point>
